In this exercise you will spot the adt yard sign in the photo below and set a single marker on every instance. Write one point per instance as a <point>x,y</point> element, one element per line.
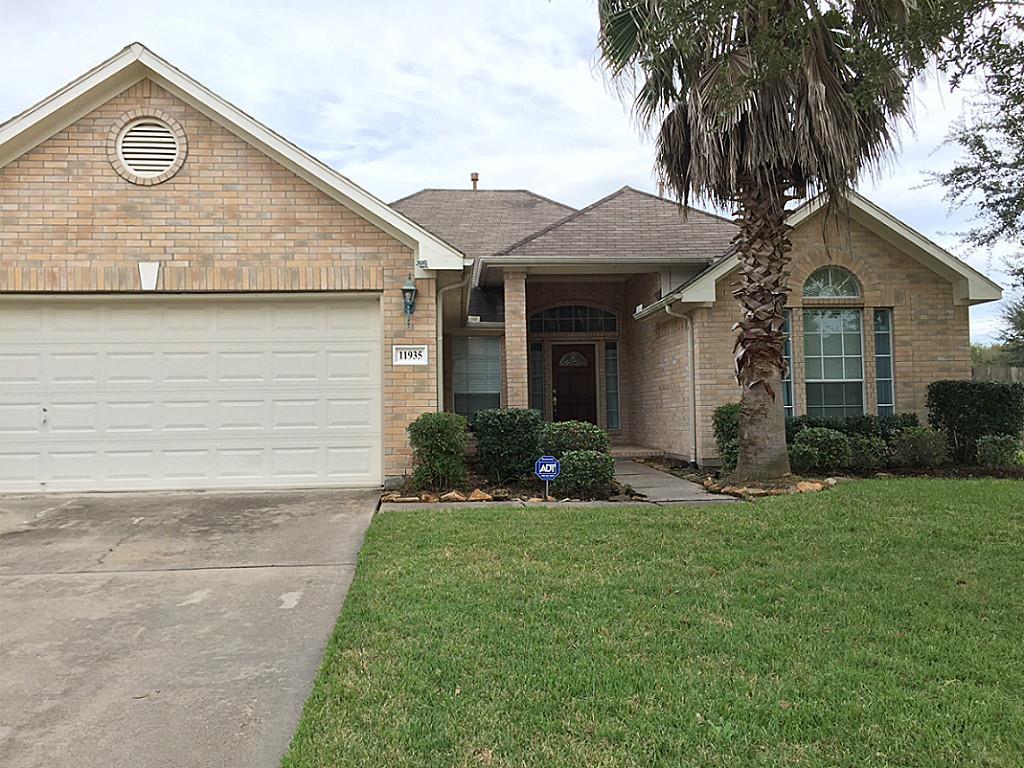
<point>547,468</point>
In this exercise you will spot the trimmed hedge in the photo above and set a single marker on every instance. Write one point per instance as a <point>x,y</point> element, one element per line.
<point>830,447</point>
<point>439,449</point>
<point>802,458</point>
<point>968,410</point>
<point>995,451</point>
<point>866,425</point>
<point>507,442</point>
<point>557,438</point>
<point>585,474</point>
<point>919,448</point>
<point>868,452</point>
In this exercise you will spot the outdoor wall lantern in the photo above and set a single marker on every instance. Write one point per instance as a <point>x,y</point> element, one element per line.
<point>409,300</point>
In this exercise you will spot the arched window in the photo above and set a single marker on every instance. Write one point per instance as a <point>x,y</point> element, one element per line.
<point>831,283</point>
<point>573,319</point>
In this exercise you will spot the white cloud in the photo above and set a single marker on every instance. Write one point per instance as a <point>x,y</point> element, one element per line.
<point>404,94</point>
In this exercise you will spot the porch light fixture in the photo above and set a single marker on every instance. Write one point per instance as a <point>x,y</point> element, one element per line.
<point>408,300</point>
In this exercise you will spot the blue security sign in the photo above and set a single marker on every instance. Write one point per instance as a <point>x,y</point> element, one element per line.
<point>547,468</point>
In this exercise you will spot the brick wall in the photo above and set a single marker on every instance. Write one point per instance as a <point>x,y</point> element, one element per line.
<point>657,388</point>
<point>231,219</point>
<point>931,335</point>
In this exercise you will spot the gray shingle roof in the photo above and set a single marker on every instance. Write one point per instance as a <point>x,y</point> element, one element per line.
<point>484,221</point>
<point>630,225</point>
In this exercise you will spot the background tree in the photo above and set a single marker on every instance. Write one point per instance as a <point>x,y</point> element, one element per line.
<point>756,103</point>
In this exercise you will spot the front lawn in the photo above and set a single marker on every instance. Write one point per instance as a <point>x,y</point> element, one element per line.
<point>877,624</point>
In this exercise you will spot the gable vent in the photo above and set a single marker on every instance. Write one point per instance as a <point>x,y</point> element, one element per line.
<point>148,148</point>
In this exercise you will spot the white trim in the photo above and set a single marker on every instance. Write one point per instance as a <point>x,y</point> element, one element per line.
<point>135,62</point>
<point>969,285</point>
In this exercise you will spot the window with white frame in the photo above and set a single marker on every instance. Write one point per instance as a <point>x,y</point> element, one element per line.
<point>833,362</point>
<point>476,373</point>
<point>884,375</point>
<point>787,353</point>
<point>831,282</point>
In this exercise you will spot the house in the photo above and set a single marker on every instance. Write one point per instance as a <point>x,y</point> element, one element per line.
<point>188,300</point>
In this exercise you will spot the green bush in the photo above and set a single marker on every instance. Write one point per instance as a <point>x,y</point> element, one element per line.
<point>831,446</point>
<point>559,437</point>
<point>868,452</point>
<point>439,448</point>
<point>726,423</point>
<point>729,453</point>
<point>998,450</point>
<point>507,442</point>
<point>919,447</point>
<point>585,474</point>
<point>866,425</point>
<point>968,410</point>
<point>802,458</point>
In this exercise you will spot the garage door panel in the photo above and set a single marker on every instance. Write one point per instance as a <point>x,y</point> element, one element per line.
<point>162,393</point>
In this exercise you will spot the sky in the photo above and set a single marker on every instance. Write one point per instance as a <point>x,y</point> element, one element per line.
<point>404,94</point>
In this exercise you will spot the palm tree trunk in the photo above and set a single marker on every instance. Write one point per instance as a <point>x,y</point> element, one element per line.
<point>763,249</point>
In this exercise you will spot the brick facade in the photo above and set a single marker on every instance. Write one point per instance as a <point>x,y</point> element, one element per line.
<point>930,334</point>
<point>231,219</point>
<point>515,371</point>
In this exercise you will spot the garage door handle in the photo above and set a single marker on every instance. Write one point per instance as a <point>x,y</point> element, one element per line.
<point>45,417</point>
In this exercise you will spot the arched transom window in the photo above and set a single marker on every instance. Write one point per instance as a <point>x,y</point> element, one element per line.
<point>831,283</point>
<point>573,319</point>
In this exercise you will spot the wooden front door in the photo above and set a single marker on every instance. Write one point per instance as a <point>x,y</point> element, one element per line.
<point>575,382</point>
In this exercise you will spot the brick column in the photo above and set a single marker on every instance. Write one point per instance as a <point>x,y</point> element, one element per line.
<point>517,389</point>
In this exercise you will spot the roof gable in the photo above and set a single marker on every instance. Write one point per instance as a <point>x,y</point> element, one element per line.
<point>136,62</point>
<point>969,285</point>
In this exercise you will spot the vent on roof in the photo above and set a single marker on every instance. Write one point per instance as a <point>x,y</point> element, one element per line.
<point>148,147</point>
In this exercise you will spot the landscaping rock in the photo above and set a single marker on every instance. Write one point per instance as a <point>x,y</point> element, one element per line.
<point>478,495</point>
<point>406,499</point>
<point>830,482</point>
<point>534,500</point>
<point>453,496</point>
<point>390,496</point>
<point>501,494</point>
<point>430,498</point>
<point>809,487</point>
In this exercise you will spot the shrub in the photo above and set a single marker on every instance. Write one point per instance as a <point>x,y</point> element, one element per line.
<point>802,458</point>
<point>967,410</point>
<point>998,450</point>
<point>585,473</point>
<point>729,453</point>
<point>559,437</point>
<point>439,449</point>
<point>866,425</point>
<point>832,448</point>
<point>919,447</point>
<point>868,452</point>
<point>507,442</point>
<point>726,423</point>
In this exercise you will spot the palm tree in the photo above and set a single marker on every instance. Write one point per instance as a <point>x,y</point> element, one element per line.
<point>757,103</point>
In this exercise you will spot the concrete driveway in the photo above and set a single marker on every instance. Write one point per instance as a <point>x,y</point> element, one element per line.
<point>171,629</point>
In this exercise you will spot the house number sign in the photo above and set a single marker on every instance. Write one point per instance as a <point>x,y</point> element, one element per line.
<point>409,354</point>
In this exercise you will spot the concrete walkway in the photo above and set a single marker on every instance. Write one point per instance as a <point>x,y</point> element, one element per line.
<point>661,487</point>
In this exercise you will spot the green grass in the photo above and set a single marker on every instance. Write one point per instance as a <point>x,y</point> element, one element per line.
<point>878,624</point>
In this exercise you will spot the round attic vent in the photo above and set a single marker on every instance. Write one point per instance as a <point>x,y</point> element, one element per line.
<point>147,149</point>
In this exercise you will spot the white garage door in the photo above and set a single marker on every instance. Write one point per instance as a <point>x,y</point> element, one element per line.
<point>187,392</point>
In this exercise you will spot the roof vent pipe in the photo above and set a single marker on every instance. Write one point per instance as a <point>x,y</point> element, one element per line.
<point>661,189</point>
<point>475,178</point>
